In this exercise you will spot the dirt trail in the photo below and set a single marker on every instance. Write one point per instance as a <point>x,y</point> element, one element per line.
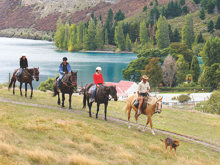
<point>186,138</point>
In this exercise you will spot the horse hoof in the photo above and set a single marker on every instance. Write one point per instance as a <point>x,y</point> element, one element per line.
<point>129,127</point>
<point>106,120</point>
<point>70,108</point>
<point>30,97</point>
<point>153,133</point>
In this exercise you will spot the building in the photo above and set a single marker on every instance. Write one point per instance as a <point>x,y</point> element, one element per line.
<point>124,88</point>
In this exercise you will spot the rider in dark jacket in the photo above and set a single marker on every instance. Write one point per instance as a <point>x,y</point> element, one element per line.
<point>23,64</point>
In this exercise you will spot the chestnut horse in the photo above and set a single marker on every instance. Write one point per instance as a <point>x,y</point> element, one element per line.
<point>154,105</point>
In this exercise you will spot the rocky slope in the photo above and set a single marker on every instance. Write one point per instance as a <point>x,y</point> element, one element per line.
<point>42,15</point>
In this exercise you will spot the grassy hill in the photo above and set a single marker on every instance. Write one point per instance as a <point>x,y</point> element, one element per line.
<point>32,135</point>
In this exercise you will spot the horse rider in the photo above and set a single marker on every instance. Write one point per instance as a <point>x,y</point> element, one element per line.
<point>143,91</point>
<point>98,80</point>
<point>23,65</point>
<point>64,68</point>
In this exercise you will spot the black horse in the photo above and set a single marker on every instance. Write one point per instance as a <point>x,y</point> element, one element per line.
<point>101,97</point>
<point>26,77</point>
<point>68,86</point>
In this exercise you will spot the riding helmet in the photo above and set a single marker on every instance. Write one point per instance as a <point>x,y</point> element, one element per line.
<point>64,58</point>
<point>99,68</point>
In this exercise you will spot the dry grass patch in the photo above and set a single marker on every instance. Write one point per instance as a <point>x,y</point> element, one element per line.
<point>87,148</point>
<point>38,127</point>
<point>94,139</point>
<point>8,149</point>
<point>82,160</point>
<point>156,148</point>
<point>70,143</point>
<point>42,156</point>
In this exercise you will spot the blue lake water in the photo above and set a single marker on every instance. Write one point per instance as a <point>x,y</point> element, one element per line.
<point>44,55</point>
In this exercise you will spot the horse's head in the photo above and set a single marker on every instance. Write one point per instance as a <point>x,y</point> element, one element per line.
<point>36,74</point>
<point>159,104</point>
<point>73,77</point>
<point>113,92</point>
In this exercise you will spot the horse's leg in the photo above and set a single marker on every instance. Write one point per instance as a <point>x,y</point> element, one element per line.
<point>14,87</point>
<point>106,104</point>
<point>90,107</point>
<point>63,99</point>
<point>20,88</point>
<point>136,118</point>
<point>26,90</point>
<point>31,90</point>
<point>70,96</point>
<point>58,101</point>
<point>97,110</point>
<point>129,115</point>
<point>151,125</point>
<point>146,124</point>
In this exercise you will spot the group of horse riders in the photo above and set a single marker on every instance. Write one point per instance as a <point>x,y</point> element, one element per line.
<point>65,68</point>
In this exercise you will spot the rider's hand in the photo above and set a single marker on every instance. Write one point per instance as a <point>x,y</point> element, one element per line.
<point>97,85</point>
<point>64,72</point>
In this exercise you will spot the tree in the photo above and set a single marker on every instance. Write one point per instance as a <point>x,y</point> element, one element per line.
<point>182,2</point>
<point>109,26</point>
<point>143,33</point>
<point>187,31</point>
<point>59,35</point>
<point>163,11</point>
<point>185,10</point>
<point>169,70</point>
<point>99,35</point>
<point>80,33</point>
<point>182,69</point>
<point>200,38</point>
<point>119,37</point>
<point>211,27</point>
<point>176,36</point>
<point>119,16</point>
<point>217,25</point>
<point>162,34</point>
<point>154,15</point>
<point>156,2</point>
<point>197,1</point>
<point>91,35</point>
<point>170,33</point>
<point>211,52</point>
<point>212,75</point>
<point>195,69</point>
<point>73,44</point>
<point>145,8</point>
<point>128,43</point>
<point>66,36</point>
<point>218,4</point>
<point>154,72</point>
<point>85,39</point>
<point>210,6</point>
<point>202,14</point>
<point>106,37</point>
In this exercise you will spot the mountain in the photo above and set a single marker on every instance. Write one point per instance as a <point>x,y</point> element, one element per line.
<point>42,15</point>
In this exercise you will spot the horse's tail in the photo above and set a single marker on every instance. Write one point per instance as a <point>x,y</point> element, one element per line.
<point>55,91</point>
<point>11,82</point>
<point>84,100</point>
<point>127,107</point>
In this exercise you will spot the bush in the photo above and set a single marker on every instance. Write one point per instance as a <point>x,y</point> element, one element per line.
<point>47,85</point>
<point>183,98</point>
<point>212,105</point>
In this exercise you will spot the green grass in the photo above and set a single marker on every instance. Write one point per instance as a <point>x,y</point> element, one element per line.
<point>31,135</point>
<point>188,122</point>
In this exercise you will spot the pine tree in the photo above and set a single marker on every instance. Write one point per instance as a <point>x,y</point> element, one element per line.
<point>218,5</point>
<point>119,16</point>
<point>163,11</point>
<point>187,31</point>
<point>99,35</point>
<point>136,44</point>
<point>59,35</point>
<point>200,38</point>
<point>154,15</point>
<point>211,26</point>
<point>156,2</point>
<point>80,34</point>
<point>182,2</point>
<point>143,33</point>
<point>195,69</point>
<point>182,69</point>
<point>128,43</point>
<point>170,33</point>
<point>106,37</point>
<point>91,35</point>
<point>176,36</point>
<point>210,6</point>
<point>73,44</point>
<point>217,25</point>
<point>197,1</point>
<point>119,37</point>
<point>109,26</point>
<point>66,36</point>
<point>162,33</point>
<point>202,14</point>
<point>144,8</point>
<point>85,39</point>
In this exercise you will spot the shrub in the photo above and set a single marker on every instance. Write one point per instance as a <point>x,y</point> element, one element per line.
<point>212,105</point>
<point>183,98</point>
<point>47,85</point>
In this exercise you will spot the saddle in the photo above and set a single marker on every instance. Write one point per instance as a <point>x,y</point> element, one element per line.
<point>144,105</point>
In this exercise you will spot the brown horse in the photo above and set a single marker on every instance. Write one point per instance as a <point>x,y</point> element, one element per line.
<point>101,97</point>
<point>26,77</point>
<point>153,104</point>
<point>68,86</point>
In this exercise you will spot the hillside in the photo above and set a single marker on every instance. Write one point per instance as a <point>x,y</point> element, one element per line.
<point>42,15</point>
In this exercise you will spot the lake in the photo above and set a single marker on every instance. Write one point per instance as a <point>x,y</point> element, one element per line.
<point>43,54</point>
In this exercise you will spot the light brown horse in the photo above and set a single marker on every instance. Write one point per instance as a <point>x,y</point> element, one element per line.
<point>154,105</point>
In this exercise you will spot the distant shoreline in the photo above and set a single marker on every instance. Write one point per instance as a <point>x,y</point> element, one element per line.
<point>105,51</point>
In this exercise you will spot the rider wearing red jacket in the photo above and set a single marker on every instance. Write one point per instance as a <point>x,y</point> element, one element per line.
<point>98,80</point>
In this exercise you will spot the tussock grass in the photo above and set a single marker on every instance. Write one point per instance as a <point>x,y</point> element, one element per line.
<point>8,149</point>
<point>79,159</point>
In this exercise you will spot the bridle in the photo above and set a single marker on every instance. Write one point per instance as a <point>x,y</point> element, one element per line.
<point>160,109</point>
